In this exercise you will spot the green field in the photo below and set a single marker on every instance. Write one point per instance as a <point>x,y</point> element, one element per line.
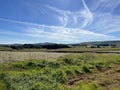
<point>8,56</point>
<point>84,50</point>
<point>74,49</point>
<point>69,72</point>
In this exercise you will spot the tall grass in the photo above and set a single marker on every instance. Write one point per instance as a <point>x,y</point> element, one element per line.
<point>53,75</point>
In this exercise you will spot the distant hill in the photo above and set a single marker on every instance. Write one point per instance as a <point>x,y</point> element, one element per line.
<point>104,42</point>
<point>46,43</point>
<point>37,46</point>
<point>49,45</point>
<point>101,43</point>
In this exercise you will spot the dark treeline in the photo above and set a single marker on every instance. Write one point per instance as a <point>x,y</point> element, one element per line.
<point>48,46</point>
<point>99,44</point>
<point>110,44</point>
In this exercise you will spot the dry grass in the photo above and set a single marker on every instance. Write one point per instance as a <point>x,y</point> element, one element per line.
<point>7,56</point>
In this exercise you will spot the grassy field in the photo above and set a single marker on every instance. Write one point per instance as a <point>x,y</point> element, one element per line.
<point>64,50</point>
<point>85,50</point>
<point>69,72</point>
<point>5,48</point>
<point>8,56</point>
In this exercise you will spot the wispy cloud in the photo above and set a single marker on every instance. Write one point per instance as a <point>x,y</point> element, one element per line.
<point>66,35</point>
<point>19,22</point>
<point>105,21</point>
<point>56,33</point>
<point>79,18</point>
<point>73,25</point>
<point>90,16</point>
<point>104,5</point>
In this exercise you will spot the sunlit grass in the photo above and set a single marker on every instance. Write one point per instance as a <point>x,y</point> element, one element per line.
<point>54,74</point>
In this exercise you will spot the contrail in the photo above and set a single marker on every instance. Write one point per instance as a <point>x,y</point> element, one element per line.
<point>86,7</point>
<point>19,22</point>
<point>89,16</point>
<point>26,23</point>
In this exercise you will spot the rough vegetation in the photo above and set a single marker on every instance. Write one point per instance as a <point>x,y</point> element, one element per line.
<point>8,56</point>
<point>72,72</point>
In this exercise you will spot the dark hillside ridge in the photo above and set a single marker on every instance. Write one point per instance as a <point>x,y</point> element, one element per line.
<point>37,46</point>
<point>101,43</point>
<point>48,45</point>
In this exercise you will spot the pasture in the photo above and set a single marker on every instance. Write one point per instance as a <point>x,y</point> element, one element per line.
<point>8,56</point>
<point>59,71</point>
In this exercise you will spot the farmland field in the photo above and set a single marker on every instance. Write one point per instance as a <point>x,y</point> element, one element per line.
<point>59,71</point>
<point>8,56</point>
<point>86,50</point>
<point>59,44</point>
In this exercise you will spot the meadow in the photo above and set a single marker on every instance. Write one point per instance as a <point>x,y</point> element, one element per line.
<point>8,56</point>
<point>88,71</point>
<point>86,50</point>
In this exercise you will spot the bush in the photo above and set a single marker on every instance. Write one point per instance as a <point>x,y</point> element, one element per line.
<point>86,69</point>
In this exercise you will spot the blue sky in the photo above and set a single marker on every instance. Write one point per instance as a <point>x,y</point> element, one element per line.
<point>59,21</point>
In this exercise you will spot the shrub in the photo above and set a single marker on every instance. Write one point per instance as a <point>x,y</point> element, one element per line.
<point>86,69</point>
<point>31,64</point>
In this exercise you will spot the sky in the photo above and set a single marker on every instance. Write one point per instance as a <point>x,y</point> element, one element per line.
<point>59,21</point>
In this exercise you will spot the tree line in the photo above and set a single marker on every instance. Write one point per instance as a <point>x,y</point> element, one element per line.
<point>48,46</point>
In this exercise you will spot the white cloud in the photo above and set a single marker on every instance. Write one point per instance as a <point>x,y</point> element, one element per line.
<point>67,35</point>
<point>20,22</point>
<point>73,24</point>
<point>55,33</point>
<point>90,17</point>
<point>79,18</point>
<point>106,23</point>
